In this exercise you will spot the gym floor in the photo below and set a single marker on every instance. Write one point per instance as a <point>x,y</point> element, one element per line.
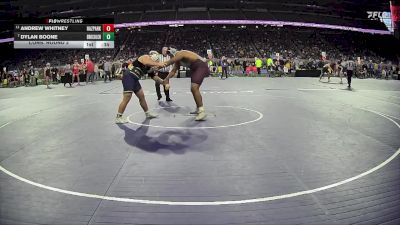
<point>272,151</point>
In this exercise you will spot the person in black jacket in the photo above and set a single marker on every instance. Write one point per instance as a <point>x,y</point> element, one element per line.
<point>54,72</point>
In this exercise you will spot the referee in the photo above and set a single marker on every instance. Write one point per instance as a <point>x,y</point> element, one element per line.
<point>350,66</point>
<point>163,73</point>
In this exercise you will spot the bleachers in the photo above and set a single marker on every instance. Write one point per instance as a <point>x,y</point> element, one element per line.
<point>285,16</point>
<point>158,16</point>
<point>255,15</point>
<point>237,14</point>
<point>192,15</point>
<point>226,15</point>
<point>128,17</point>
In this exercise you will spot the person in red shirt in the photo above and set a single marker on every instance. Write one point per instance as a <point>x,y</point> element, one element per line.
<point>89,71</point>
<point>75,72</point>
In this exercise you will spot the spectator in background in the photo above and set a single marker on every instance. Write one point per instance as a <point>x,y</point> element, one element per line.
<point>2,76</point>
<point>277,65</point>
<point>11,79</point>
<point>107,69</point>
<point>112,70</point>
<point>370,66</point>
<point>32,78</point>
<point>379,71</point>
<point>36,76</point>
<point>398,72</point>
<point>363,72</point>
<point>25,76</point>
<point>75,72</point>
<point>47,75</point>
<point>376,67</point>
<point>244,66</point>
<point>20,77</point>
<point>90,71</point>
<point>54,74</point>
<point>296,64</point>
<point>62,74</point>
<point>270,64</point>
<point>83,69</point>
<point>258,65</point>
<point>96,72</point>
<point>224,65</point>
<point>393,69</point>
<point>68,75</point>
<point>290,42</point>
<point>3,73</point>
<point>384,73</point>
<point>287,67</point>
<point>250,70</point>
<point>237,65</point>
<point>117,65</point>
<point>101,68</point>
<point>231,66</point>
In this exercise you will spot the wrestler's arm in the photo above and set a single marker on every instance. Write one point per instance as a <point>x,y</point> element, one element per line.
<point>173,71</point>
<point>156,78</point>
<point>178,57</point>
<point>146,60</point>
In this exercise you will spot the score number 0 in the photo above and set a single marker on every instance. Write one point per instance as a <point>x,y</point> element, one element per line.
<point>108,27</point>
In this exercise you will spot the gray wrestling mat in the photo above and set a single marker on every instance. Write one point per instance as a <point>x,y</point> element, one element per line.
<point>272,151</point>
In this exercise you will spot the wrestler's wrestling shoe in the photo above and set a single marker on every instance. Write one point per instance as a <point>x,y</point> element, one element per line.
<point>121,120</point>
<point>201,116</point>
<point>150,115</point>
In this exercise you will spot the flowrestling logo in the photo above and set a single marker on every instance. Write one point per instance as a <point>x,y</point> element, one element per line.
<point>378,15</point>
<point>384,17</point>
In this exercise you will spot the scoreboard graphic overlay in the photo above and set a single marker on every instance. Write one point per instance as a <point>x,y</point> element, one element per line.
<point>64,33</point>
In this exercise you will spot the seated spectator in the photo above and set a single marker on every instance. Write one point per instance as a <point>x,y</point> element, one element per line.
<point>384,74</point>
<point>11,80</point>
<point>363,73</point>
<point>25,77</point>
<point>302,44</point>
<point>251,70</point>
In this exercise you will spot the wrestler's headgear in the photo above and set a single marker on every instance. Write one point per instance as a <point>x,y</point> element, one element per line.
<point>172,51</point>
<point>154,55</point>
